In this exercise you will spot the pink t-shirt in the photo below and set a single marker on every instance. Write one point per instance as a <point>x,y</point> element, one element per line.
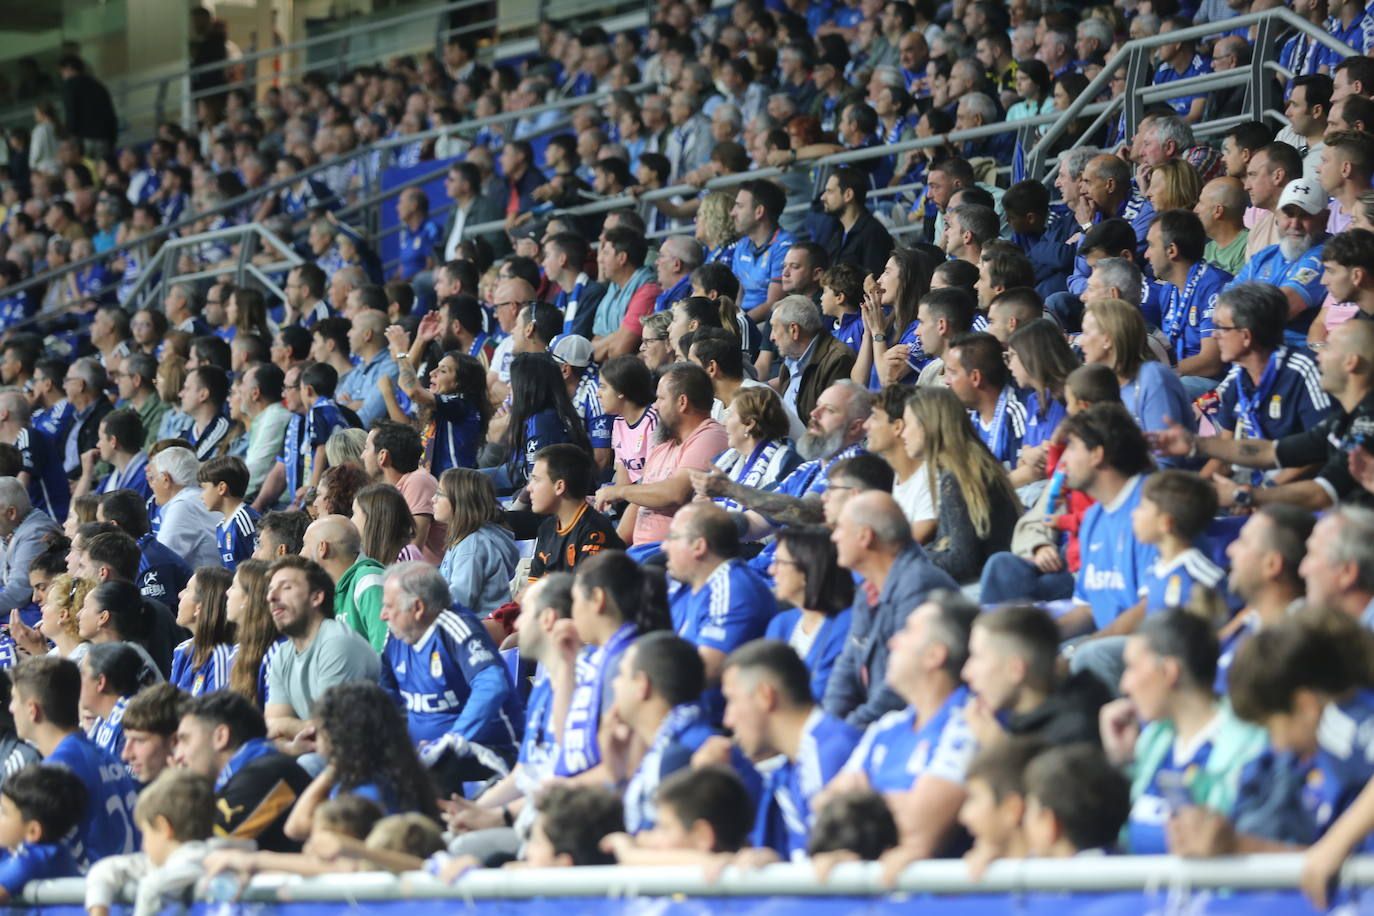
<point>419,487</point>
<point>631,443</point>
<point>696,452</point>
<point>641,304</point>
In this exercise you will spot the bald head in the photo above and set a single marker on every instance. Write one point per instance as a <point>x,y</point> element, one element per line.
<point>1355,338</point>
<point>332,540</point>
<point>1224,199</point>
<point>879,512</point>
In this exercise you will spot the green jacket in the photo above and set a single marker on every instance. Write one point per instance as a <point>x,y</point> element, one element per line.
<point>151,413</point>
<point>358,601</point>
<point>1217,783</point>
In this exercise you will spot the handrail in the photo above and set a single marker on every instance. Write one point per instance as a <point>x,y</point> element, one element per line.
<point>796,881</point>
<point>1132,55</point>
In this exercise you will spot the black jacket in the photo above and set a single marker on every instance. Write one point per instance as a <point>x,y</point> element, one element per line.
<point>1068,716</point>
<point>89,109</point>
<point>256,801</point>
<point>87,432</point>
<point>868,245</point>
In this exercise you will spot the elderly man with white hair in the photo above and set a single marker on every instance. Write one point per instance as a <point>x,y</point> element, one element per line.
<point>444,670</point>
<point>25,532</point>
<point>184,525</point>
<point>812,358</point>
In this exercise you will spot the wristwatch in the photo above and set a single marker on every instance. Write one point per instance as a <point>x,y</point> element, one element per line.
<point>1245,498</point>
<point>880,338</point>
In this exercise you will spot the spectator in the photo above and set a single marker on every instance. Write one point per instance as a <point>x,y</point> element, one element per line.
<point>223,486</point>
<point>360,390</point>
<point>111,673</point>
<point>769,709</point>
<point>47,693</point>
<point>656,693</point>
<point>335,544</point>
<point>441,665</point>
<point>1075,801</point>
<point>185,527</point>
<point>631,292</point>
<point>113,613</point>
<point>48,803</point>
<point>813,360</point>
<point>84,387</point>
<point>1114,334</point>
<point>222,736</point>
<point>1176,243</point>
<point>756,429</point>
<point>246,607</point>
<point>1270,170</point>
<point>861,239</point>
<point>1294,265</point>
<point>392,455</point>
<point>323,651</point>
<point>1012,672</point>
<point>158,573</point>
<point>201,664</point>
<point>121,448</point>
<point>41,470</point>
<point>1221,207</point>
<point>369,756</point>
<point>558,487</point>
<point>25,533</point>
<point>90,113</point>
<point>150,723</point>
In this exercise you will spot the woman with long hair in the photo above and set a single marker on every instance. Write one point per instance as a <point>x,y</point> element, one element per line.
<point>1033,89</point>
<point>715,230</point>
<point>891,352</point>
<point>114,612</point>
<point>480,554</point>
<point>807,574</point>
<point>626,391</point>
<point>696,312</point>
<point>246,313</point>
<point>382,517</point>
<point>977,504</point>
<point>1040,360</point>
<point>147,326</point>
<point>454,408</point>
<point>62,601</point>
<point>1114,334</point>
<point>338,488</point>
<point>760,454</point>
<point>246,609</point>
<point>201,664</point>
<point>541,414</point>
<point>364,740</point>
<point>615,601</point>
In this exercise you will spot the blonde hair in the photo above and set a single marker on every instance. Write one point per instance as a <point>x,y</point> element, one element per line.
<point>171,378</point>
<point>1182,185</point>
<point>713,216</point>
<point>411,834</point>
<point>345,445</point>
<point>1124,326</point>
<point>952,447</point>
<point>68,593</point>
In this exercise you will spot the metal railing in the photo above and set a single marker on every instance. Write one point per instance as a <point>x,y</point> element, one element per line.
<point>1135,56</point>
<point>163,270</point>
<point>791,881</point>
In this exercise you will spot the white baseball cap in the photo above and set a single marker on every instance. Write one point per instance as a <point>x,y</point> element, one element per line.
<point>1305,194</point>
<point>572,350</point>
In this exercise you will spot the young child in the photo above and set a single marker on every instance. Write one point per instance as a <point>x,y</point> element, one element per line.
<point>223,485</point>
<point>859,823</point>
<point>38,806</point>
<point>558,486</point>
<point>701,813</point>
<point>842,291</point>
<point>338,822</point>
<point>1076,802</point>
<point>995,802</point>
<point>1175,509</point>
<point>176,815</point>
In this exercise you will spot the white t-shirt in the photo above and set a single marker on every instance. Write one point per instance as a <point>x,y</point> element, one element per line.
<point>915,498</point>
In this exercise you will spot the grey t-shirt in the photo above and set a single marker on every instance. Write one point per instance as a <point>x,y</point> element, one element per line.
<point>336,655</point>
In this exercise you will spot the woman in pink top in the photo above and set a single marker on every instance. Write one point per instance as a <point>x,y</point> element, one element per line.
<point>626,391</point>
<point>382,517</point>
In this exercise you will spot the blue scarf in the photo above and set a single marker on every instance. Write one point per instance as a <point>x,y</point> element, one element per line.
<point>251,750</point>
<point>1248,406</point>
<point>579,744</point>
<point>749,472</point>
<point>1176,317</point>
<point>640,790</point>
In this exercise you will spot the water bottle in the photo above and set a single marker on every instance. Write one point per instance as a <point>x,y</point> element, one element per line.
<point>1056,492</point>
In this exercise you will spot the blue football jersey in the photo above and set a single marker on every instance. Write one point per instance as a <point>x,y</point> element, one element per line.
<point>211,675</point>
<point>452,680</point>
<point>108,734</point>
<point>237,536</point>
<point>1169,790</point>
<point>685,729</point>
<point>784,821</point>
<point>897,750</point>
<point>48,488</point>
<point>1168,585</point>
<point>107,829</point>
<point>1114,563</point>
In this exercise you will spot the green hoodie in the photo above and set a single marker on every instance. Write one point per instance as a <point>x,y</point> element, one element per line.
<point>358,600</point>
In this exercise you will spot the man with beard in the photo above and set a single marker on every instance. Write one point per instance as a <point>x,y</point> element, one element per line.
<point>323,651</point>
<point>835,431</point>
<point>1294,265</point>
<point>861,239</point>
<point>687,441</point>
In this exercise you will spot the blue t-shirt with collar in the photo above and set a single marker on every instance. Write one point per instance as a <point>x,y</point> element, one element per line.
<point>1303,275</point>
<point>1289,398</point>
<point>897,750</point>
<point>785,816</point>
<point>1172,584</point>
<point>757,266</point>
<point>1114,563</point>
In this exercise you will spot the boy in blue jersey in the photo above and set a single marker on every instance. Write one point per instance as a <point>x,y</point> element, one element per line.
<point>322,417</point>
<point>1076,801</point>
<point>702,812</point>
<point>768,706</point>
<point>443,668</point>
<point>657,694</point>
<point>573,354</point>
<point>1304,681</point>
<point>721,603</point>
<point>842,291</point>
<point>223,485</point>
<point>47,692</point>
<point>38,806</point>
<point>1174,511</point>
<point>922,751</point>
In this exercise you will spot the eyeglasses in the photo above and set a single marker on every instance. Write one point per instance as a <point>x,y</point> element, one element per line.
<point>1218,329</point>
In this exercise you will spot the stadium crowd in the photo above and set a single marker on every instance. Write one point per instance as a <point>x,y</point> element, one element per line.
<point>714,529</point>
